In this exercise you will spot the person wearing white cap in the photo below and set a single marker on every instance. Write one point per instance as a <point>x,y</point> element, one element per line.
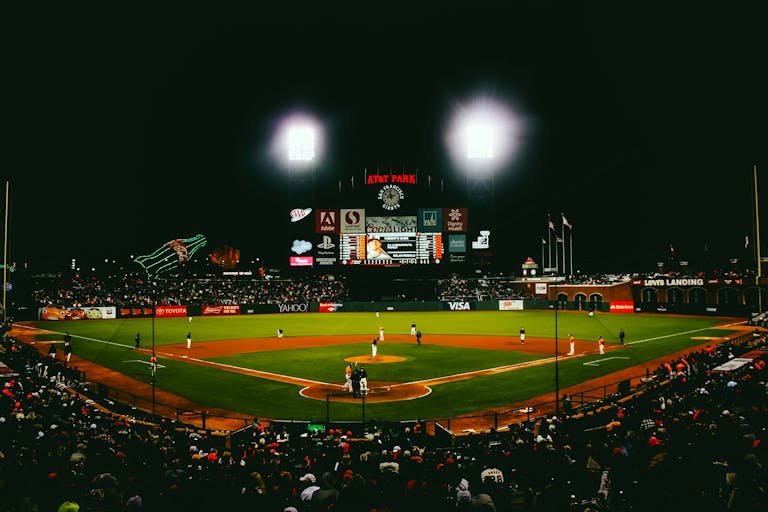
<point>309,480</point>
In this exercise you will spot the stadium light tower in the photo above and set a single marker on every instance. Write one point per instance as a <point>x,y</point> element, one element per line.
<point>482,138</point>
<point>297,146</point>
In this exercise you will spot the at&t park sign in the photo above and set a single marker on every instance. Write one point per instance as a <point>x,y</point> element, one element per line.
<point>383,179</point>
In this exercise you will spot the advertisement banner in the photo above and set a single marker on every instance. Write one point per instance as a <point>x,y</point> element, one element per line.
<point>301,307</point>
<point>622,306</point>
<point>87,313</point>
<point>510,305</point>
<point>400,224</point>
<point>228,309</point>
<point>457,243</point>
<point>327,221</point>
<point>458,305</point>
<point>302,261</point>
<point>165,311</point>
<point>331,307</point>
<point>455,219</point>
<point>134,312</point>
<point>352,221</point>
<point>430,220</point>
<point>541,288</point>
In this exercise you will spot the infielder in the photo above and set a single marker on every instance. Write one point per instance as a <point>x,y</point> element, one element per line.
<point>381,333</point>
<point>374,347</point>
<point>189,340</point>
<point>572,344</point>
<point>522,336</point>
<point>413,328</point>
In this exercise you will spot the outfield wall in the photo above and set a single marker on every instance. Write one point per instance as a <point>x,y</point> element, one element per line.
<point>163,311</point>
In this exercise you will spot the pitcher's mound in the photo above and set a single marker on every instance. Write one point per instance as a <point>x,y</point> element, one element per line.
<point>375,360</point>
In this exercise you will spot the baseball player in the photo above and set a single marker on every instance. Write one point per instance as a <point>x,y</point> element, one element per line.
<point>572,344</point>
<point>68,346</point>
<point>363,381</point>
<point>522,335</point>
<point>601,345</point>
<point>381,333</point>
<point>347,378</point>
<point>374,347</point>
<point>413,328</point>
<point>189,340</point>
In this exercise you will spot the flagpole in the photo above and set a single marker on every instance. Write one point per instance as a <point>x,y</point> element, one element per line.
<point>549,240</point>
<point>5,252</point>
<point>565,267</point>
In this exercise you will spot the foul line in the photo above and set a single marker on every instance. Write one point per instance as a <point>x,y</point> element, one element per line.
<point>426,382</point>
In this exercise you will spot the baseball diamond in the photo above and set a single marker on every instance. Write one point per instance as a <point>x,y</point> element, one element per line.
<point>469,361</point>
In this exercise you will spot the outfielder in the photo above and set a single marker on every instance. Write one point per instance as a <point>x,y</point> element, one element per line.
<point>374,347</point>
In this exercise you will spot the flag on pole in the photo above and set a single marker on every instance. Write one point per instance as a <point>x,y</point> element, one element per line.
<point>565,222</point>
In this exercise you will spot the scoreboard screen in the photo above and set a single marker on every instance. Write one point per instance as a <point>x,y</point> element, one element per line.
<point>391,249</point>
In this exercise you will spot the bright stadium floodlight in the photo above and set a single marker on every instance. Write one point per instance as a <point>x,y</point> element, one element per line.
<point>301,143</point>
<point>483,136</point>
<point>298,141</point>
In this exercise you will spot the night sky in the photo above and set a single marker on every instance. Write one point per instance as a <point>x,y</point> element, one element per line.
<point>129,129</point>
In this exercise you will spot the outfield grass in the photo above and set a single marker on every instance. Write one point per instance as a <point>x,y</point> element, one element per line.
<point>274,399</point>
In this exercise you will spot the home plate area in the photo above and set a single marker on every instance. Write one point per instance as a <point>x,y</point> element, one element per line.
<point>378,391</point>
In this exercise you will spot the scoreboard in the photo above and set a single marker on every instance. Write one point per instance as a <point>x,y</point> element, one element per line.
<point>386,224</point>
<point>391,249</point>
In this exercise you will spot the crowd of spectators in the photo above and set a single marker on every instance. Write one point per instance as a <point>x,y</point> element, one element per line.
<point>696,440</point>
<point>485,288</point>
<point>77,290</point>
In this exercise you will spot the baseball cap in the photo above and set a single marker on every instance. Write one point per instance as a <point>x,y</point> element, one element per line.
<point>309,477</point>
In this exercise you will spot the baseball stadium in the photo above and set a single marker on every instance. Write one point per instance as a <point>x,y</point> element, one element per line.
<point>493,259</point>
